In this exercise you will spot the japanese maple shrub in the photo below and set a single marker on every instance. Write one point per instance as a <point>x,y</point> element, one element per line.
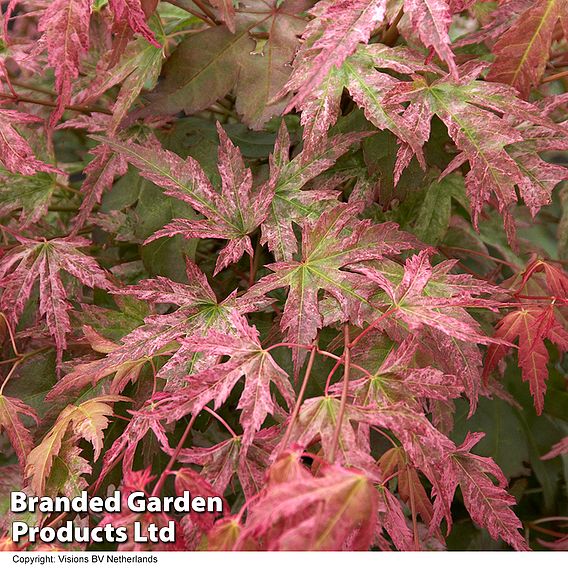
<point>307,256</point>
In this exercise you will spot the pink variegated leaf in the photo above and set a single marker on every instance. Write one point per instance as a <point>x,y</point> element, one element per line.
<point>43,261</point>
<point>427,448</point>
<point>399,379</point>
<point>362,74</point>
<point>65,25</point>
<point>336,240</point>
<point>131,12</point>
<point>488,504</point>
<point>187,479</point>
<point>163,334</point>
<point>225,459</point>
<point>410,488</point>
<point>338,27</point>
<point>232,215</point>
<point>99,177</point>
<point>468,109</point>
<point>316,423</point>
<point>335,511</point>
<point>248,359</point>
<point>16,154</point>
<point>426,297</point>
<point>530,326</point>
<point>291,204</point>
<point>431,19</point>
<point>524,50</point>
<point>138,68</point>
<point>11,423</point>
<point>125,446</point>
<point>392,520</point>
<point>90,373</point>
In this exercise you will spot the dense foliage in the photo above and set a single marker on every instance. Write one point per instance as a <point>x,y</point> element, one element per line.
<point>307,256</point>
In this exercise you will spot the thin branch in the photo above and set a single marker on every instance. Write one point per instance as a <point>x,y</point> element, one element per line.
<point>205,10</point>
<point>221,420</point>
<point>41,90</point>
<point>555,77</point>
<point>166,472</point>
<point>11,334</point>
<point>371,326</point>
<point>76,108</point>
<point>331,373</point>
<point>9,376</point>
<point>207,18</point>
<point>298,404</point>
<point>343,403</point>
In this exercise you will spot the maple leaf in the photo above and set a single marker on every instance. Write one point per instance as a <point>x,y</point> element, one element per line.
<point>207,65</point>
<point>468,108</point>
<point>335,511</point>
<point>426,447</point>
<point>138,68</point>
<point>461,359</point>
<point>317,421</point>
<point>529,325</point>
<point>92,372</point>
<point>231,215</point>
<point>43,260</point>
<point>556,279</point>
<point>131,12</point>
<point>410,488</point>
<point>16,154</point>
<point>248,359</point>
<point>31,194</point>
<point>11,423</point>
<point>86,420</point>
<point>225,459</point>
<point>434,304</point>
<point>333,242</point>
<point>431,19</point>
<point>396,379</point>
<point>65,27</point>
<point>522,52</point>
<point>126,444</point>
<point>488,504</point>
<point>333,35</point>
<point>368,85</point>
<point>391,518</point>
<point>199,311</point>
<point>290,204</point>
<point>539,177</point>
<point>99,176</point>
<point>412,298</point>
